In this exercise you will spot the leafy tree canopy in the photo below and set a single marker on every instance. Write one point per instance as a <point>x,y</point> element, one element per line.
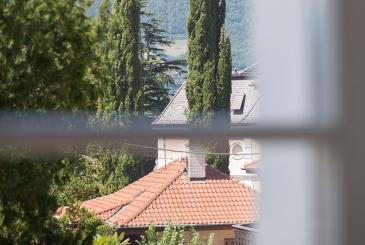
<point>46,55</point>
<point>157,68</point>
<point>99,170</point>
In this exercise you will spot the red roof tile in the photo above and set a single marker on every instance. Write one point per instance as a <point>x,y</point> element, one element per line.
<point>167,196</point>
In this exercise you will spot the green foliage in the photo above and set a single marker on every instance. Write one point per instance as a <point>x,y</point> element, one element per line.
<point>173,235</point>
<point>222,103</point>
<point>101,170</point>
<point>203,31</point>
<point>110,240</point>
<point>149,67</point>
<point>47,62</point>
<point>26,206</point>
<point>208,86</point>
<point>239,25</point>
<point>157,68</point>
<point>151,237</point>
<point>123,89</point>
<point>76,226</point>
<point>50,60</point>
<point>53,57</point>
<point>239,19</point>
<point>102,21</point>
<point>224,77</point>
<point>46,55</point>
<point>105,230</point>
<point>28,203</point>
<point>220,162</point>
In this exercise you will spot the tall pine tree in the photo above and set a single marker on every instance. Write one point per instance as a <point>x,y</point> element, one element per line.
<point>209,83</point>
<point>157,67</point>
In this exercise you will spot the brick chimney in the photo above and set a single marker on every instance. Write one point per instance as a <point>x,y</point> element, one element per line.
<point>196,161</point>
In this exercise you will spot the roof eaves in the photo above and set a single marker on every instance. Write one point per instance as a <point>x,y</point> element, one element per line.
<point>170,125</point>
<point>112,224</point>
<point>124,228</point>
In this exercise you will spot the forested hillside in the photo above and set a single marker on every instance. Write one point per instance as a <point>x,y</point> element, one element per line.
<point>173,14</point>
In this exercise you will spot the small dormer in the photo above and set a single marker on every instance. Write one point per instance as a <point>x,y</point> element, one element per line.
<point>238,104</point>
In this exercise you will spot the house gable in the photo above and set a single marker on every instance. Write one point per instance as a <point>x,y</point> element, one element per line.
<point>174,114</point>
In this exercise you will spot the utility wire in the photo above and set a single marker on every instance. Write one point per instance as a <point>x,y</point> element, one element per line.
<point>199,153</point>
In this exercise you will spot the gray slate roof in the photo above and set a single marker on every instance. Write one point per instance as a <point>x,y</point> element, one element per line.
<point>175,112</point>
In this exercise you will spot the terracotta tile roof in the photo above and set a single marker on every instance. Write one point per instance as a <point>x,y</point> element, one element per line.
<point>167,196</point>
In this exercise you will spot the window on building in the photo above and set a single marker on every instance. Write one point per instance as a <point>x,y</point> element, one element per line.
<point>228,241</point>
<point>237,151</point>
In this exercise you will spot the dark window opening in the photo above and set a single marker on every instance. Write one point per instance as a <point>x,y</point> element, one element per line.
<point>228,241</point>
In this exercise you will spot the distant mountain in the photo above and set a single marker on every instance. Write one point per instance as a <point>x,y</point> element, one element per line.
<point>173,14</point>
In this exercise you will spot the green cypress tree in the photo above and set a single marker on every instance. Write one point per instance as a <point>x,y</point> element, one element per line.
<point>223,117</point>
<point>202,60</point>
<point>123,93</point>
<point>130,46</point>
<point>224,74</point>
<point>209,83</point>
<point>102,20</point>
<point>221,17</point>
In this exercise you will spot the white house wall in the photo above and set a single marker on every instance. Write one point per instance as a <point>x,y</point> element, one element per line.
<point>236,163</point>
<point>166,156</point>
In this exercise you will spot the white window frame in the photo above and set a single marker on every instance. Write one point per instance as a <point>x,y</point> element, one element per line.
<point>311,67</point>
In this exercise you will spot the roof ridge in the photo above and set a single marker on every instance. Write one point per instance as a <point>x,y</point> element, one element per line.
<point>154,197</point>
<point>114,207</point>
<point>106,210</point>
<point>121,204</point>
<point>170,102</point>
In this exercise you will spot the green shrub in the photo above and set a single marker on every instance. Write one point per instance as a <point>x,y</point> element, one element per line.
<point>173,235</point>
<point>110,240</point>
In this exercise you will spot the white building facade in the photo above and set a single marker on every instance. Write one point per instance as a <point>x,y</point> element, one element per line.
<point>244,112</point>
